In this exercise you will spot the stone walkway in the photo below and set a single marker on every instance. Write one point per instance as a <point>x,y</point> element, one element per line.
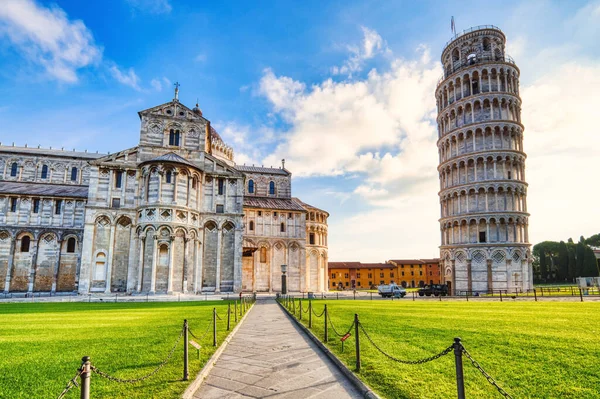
<point>269,357</point>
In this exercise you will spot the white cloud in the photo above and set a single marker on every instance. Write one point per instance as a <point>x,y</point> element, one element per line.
<point>46,36</point>
<point>200,57</point>
<point>156,85</point>
<point>128,78</point>
<point>150,6</point>
<point>371,45</point>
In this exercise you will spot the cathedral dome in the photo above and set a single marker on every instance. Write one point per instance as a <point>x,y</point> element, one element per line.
<point>197,110</point>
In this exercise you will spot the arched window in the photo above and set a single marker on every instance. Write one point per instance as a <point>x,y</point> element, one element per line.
<point>272,188</point>
<point>100,267</point>
<point>13,169</point>
<point>251,187</point>
<point>471,58</point>
<point>74,174</point>
<point>455,55</point>
<point>71,245</point>
<point>251,226</point>
<point>486,44</point>
<point>44,171</point>
<point>168,176</point>
<point>174,137</point>
<point>282,227</point>
<point>25,242</point>
<point>263,255</point>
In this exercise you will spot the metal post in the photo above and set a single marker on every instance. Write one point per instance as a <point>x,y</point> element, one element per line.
<point>86,374</point>
<point>500,295</point>
<point>326,335</point>
<point>354,294</point>
<point>535,294</point>
<point>228,316</point>
<point>309,314</point>
<point>357,338</point>
<point>460,380</point>
<point>90,298</point>
<point>300,301</point>
<point>580,295</point>
<point>186,374</point>
<point>337,295</point>
<point>235,310</point>
<point>371,296</point>
<point>467,296</point>
<point>413,296</point>
<point>116,298</point>
<point>146,297</point>
<point>214,326</point>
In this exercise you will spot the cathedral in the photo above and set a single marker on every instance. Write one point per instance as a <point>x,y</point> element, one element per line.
<point>173,214</point>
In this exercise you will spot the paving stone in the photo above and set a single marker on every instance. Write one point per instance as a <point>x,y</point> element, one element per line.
<point>270,357</point>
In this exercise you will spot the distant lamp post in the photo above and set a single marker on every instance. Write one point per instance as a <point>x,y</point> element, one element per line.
<point>283,280</point>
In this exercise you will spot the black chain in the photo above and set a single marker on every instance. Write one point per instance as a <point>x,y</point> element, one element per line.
<point>336,331</point>
<point>486,375</point>
<point>203,334</point>
<point>421,361</point>
<point>318,315</point>
<point>216,314</point>
<point>136,380</point>
<point>72,383</point>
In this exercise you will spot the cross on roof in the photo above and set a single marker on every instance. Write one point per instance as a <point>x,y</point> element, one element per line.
<point>176,84</point>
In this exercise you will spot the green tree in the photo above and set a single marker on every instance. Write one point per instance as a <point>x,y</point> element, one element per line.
<point>579,255</point>
<point>543,266</point>
<point>593,241</point>
<point>563,262</point>
<point>572,262</point>
<point>590,265</point>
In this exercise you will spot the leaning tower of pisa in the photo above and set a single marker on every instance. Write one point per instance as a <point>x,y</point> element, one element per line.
<point>483,192</point>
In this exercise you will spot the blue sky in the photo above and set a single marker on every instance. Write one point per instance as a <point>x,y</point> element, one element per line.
<point>342,89</point>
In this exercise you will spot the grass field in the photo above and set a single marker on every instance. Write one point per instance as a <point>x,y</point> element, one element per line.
<point>533,350</point>
<point>41,346</point>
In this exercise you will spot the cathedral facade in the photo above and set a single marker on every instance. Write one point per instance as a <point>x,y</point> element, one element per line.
<point>174,214</point>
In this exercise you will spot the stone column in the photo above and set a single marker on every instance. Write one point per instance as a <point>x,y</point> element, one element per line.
<point>109,260</point>
<point>185,255</point>
<point>490,279</point>
<point>171,265</point>
<point>469,277</point>
<point>219,251</point>
<point>56,267</point>
<point>32,270</point>
<point>153,271</point>
<point>175,186</point>
<point>453,265</point>
<point>140,276</point>
<point>11,256</point>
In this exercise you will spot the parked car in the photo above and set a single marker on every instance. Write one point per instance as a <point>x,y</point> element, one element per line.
<point>389,290</point>
<point>433,289</point>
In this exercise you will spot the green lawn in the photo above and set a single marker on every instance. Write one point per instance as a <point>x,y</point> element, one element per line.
<point>533,349</point>
<point>41,346</point>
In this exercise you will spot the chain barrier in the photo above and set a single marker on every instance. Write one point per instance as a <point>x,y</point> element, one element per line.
<point>72,383</point>
<point>336,331</point>
<point>318,315</point>
<point>218,317</point>
<point>203,335</point>
<point>421,361</point>
<point>486,375</point>
<point>136,380</point>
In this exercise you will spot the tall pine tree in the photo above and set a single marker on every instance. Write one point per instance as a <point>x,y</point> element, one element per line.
<point>579,255</point>
<point>563,262</point>
<point>590,265</point>
<point>572,262</point>
<point>543,266</point>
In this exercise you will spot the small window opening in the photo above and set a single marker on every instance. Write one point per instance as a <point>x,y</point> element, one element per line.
<point>220,209</point>
<point>174,137</point>
<point>251,187</point>
<point>44,171</point>
<point>57,207</point>
<point>116,203</point>
<point>118,179</point>
<point>13,169</point>
<point>13,204</point>
<point>263,255</point>
<point>482,236</point>
<point>282,228</point>
<point>221,186</point>
<point>259,213</point>
<point>71,245</point>
<point>311,238</point>
<point>169,177</point>
<point>74,174</point>
<point>509,175</point>
<point>25,243</point>
<point>36,205</point>
<point>251,226</point>
<point>272,188</point>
